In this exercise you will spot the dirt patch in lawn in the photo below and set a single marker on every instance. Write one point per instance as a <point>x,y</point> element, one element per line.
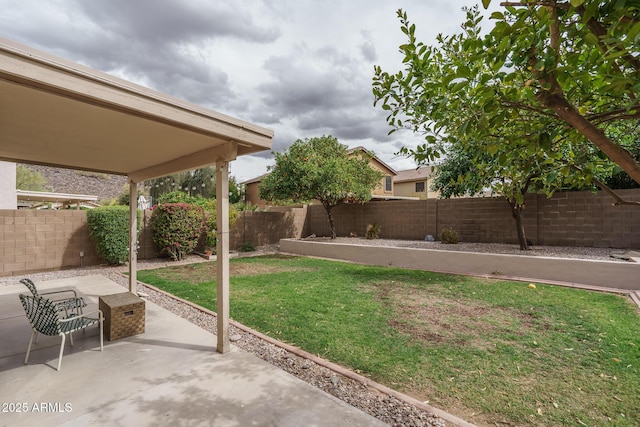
<point>433,319</point>
<point>205,272</point>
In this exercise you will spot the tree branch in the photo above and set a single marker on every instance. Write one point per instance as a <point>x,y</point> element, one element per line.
<point>599,30</point>
<point>555,99</point>
<point>558,103</point>
<point>620,114</point>
<point>604,187</point>
<point>554,30</point>
<point>521,106</point>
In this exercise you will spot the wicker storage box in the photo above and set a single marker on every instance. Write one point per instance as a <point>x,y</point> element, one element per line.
<point>124,315</point>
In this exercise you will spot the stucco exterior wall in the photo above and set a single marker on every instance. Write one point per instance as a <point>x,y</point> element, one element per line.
<point>8,198</point>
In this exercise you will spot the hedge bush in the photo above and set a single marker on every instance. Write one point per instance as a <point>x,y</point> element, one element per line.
<point>177,197</point>
<point>109,229</point>
<point>176,228</point>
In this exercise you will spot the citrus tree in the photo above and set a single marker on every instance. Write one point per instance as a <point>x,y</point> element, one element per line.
<point>320,169</point>
<point>568,67</point>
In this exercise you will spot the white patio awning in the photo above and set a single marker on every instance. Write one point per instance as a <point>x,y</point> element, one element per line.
<point>57,113</point>
<point>54,112</point>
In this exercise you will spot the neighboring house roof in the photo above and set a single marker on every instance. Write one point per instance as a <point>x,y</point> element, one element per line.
<point>256,179</point>
<point>43,197</point>
<point>374,157</point>
<point>417,174</point>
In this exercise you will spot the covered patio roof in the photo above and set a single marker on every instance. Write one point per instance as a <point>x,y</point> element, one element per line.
<point>58,113</point>
<point>63,199</point>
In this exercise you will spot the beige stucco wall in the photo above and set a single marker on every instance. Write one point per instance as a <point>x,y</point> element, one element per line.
<point>380,189</point>
<point>252,194</point>
<point>8,198</point>
<point>408,189</point>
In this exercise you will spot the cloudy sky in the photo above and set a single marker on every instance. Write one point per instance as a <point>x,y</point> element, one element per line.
<point>302,68</point>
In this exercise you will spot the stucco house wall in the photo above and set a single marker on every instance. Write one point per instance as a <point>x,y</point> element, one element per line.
<point>415,183</point>
<point>8,198</point>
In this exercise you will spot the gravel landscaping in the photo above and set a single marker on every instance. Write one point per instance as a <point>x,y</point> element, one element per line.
<point>608,254</point>
<point>387,408</point>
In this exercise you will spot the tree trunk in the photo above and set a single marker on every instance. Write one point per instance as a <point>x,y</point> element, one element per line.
<point>516,212</point>
<point>617,154</point>
<point>555,99</point>
<point>331,224</point>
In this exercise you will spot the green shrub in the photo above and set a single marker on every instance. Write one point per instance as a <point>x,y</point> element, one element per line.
<point>373,231</point>
<point>247,247</point>
<point>123,197</point>
<point>29,180</point>
<point>176,228</point>
<point>176,197</point>
<point>449,236</point>
<point>211,221</point>
<point>109,229</point>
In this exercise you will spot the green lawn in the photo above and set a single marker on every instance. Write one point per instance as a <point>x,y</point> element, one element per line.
<point>488,351</point>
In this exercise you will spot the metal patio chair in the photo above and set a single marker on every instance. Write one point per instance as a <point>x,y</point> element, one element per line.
<point>45,318</point>
<point>68,303</point>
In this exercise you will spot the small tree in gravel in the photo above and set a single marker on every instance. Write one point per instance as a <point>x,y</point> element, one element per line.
<point>176,228</point>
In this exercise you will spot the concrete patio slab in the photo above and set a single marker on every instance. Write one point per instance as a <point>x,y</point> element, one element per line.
<point>170,375</point>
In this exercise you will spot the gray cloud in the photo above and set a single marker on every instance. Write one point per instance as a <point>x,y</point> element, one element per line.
<point>368,48</point>
<point>154,43</point>
<point>302,68</point>
<point>185,21</point>
<point>321,91</point>
<point>351,124</point>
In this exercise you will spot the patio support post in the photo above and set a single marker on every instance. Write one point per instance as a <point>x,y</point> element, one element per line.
<point>133,236</point>
<point>222,254</point>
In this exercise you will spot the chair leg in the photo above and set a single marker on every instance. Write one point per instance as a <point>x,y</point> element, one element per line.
<point>71,338</point>
<point>61,351</point>
<point>101,329</point>
<point>33,333</point>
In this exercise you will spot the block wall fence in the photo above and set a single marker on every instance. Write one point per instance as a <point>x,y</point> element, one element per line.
<point>38,240</point>
<point>565,219</point>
